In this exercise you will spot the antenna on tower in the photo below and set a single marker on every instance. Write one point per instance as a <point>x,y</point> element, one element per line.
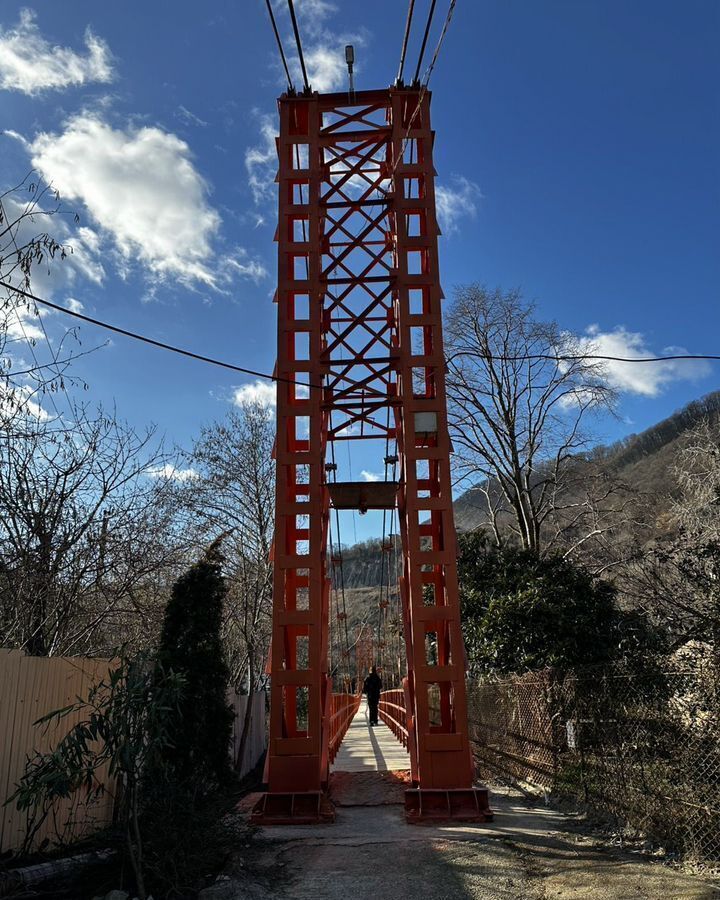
<point>350,60</point>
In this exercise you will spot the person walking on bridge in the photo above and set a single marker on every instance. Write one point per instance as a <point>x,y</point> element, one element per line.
<point>372,688</point>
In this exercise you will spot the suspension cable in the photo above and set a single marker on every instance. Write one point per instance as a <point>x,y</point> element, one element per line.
<point>426,80</point>
<point>298,42</point>
<point>339,546</point>
<point>448,17</point>
<point>408,22</point>
<point>344,652</point>
<point>431,13</point>
<point>280,46</point>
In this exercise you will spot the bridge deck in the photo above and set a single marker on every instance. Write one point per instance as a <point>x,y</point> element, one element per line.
<point>366,749</point>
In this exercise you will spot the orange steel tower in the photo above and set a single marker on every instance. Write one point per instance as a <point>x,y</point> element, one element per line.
<point>360,357</point>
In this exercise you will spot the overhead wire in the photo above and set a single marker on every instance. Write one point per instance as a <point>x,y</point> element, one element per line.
<point>298,43</point>
<point>144,339</point>
<point>52,365</point>
<point>280,46</point>
<point>162,345</point>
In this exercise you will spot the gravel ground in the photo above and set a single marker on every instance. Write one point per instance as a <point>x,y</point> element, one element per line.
<point>530,852</point>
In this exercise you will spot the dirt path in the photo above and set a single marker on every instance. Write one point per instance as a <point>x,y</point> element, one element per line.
<point>530,852</point>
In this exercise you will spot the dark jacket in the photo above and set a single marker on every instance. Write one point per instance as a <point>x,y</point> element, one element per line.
<point>372,687</point>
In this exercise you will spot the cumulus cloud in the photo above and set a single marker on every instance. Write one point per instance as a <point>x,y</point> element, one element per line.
<point>29,63</point>
<point>646,379</point>
<point>370,476</point>
<point>456,201</point>
<point>263,392</point>
<point>170,472</point>
<point>142,190</point>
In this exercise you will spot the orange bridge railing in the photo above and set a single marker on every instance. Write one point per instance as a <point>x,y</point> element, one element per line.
<point>342,710</point>
<point>393,713</point>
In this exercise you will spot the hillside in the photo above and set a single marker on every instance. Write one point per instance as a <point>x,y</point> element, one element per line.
<point>641,461</point>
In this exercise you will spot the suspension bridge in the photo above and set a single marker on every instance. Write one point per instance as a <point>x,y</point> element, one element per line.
<point>360,360</point>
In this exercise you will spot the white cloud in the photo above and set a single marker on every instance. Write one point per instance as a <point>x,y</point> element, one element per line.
<point>82,259</point>
<point>314,10</point>
<point>326,67</point>
<point>141,188</point>
<point>240,264</point>
<point>324,53</point>
<point>172,473</point>
<point>74,305</point>
<point>456,202</point>
<point>29,63</point>
<point>323,47</point>
<point>647,379</point>
<point>370,476</point>
<point>18,400</point>
<point>189,118</point>
<point>263,392</point>
<point>261,163</point>
<point>22,324</point>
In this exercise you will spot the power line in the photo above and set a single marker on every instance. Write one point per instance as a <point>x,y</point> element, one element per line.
<point>279,43</point>
<point>408,22</point>
<point>551,357</point>
<point>431,13</point>
<point>299,44</point>
<point>141,337</point>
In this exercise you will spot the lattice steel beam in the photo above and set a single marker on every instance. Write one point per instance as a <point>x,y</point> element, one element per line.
<point>359,321</point>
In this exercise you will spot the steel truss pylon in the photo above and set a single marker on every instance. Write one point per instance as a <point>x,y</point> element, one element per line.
<point>360,357</point>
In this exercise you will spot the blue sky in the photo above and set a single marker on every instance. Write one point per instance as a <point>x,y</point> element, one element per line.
<point>578,157</point>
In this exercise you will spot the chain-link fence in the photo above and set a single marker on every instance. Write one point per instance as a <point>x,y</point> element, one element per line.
<point>643,746</point>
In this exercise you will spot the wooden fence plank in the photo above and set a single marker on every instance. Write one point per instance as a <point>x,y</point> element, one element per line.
<point>31,687</point>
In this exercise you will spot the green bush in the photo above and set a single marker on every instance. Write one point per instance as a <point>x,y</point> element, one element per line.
<point>521,612</point>
<point>191,645</point>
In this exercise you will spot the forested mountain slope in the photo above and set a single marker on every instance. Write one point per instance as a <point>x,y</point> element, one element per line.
<point>642,461</point>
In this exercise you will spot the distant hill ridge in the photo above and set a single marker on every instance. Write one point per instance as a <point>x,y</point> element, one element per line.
<point>642,460</point>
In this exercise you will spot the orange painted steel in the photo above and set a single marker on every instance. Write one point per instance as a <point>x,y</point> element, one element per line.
<point>343,709</point>
<point>393,713</point>
<point>360,357</point>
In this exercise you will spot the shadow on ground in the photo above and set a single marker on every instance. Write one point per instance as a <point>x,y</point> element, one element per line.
<point>530,852</point>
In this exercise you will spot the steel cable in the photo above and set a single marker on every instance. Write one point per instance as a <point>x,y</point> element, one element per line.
<point>280,46</point>
<point>408,22</point>
<point>298,42</point>
<point>428,23</point>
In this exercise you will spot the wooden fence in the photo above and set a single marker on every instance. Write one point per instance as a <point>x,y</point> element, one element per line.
<point>31,687</point>
<point>257,737</point>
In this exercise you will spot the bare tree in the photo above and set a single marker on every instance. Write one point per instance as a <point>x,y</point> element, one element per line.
<point>697,508</point>
<point>84,541</point>
<point>677,579</point>
<point>232,489</point>
<point>519,417</point>
<point>32,233</point>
